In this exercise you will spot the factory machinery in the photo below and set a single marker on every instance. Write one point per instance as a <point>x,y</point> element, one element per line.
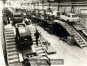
<point>21,48</point>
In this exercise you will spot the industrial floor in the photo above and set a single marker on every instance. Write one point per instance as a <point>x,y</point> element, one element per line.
<point>72,55</point>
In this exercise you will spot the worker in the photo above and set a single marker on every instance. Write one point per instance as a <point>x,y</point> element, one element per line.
<point>37,37</point>
<point>26,21</point>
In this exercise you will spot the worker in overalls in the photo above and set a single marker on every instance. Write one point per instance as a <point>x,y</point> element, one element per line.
<point>37,37</point>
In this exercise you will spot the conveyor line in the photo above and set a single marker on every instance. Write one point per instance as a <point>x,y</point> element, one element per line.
<point>35,47</point>
<point>72,31</point>
<point>12,53</point>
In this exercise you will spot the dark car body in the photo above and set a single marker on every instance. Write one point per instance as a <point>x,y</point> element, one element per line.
<point>23,36</point>
<point>17,17</point>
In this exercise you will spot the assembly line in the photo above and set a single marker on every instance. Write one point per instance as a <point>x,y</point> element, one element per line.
<point>21,45</point>
<point>42,37</point>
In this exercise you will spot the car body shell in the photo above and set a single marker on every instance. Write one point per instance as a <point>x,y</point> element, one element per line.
<point>70,17</point>
<point>17,17</point>
<point>23,35</point>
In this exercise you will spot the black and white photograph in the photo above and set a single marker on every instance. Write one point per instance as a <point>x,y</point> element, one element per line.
<point>43,32</point>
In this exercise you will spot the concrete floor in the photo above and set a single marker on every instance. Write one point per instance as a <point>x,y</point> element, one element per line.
<point>72,55</point>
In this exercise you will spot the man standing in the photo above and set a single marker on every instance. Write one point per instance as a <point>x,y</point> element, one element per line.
<point>37,36</point>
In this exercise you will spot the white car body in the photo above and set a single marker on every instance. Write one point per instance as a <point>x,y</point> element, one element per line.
<point>70,17</point>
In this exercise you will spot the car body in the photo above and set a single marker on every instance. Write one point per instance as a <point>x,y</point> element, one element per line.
<point>17,17</point>
<point>69,17</point>
<point>23,36</point>
<point>23,11</point>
